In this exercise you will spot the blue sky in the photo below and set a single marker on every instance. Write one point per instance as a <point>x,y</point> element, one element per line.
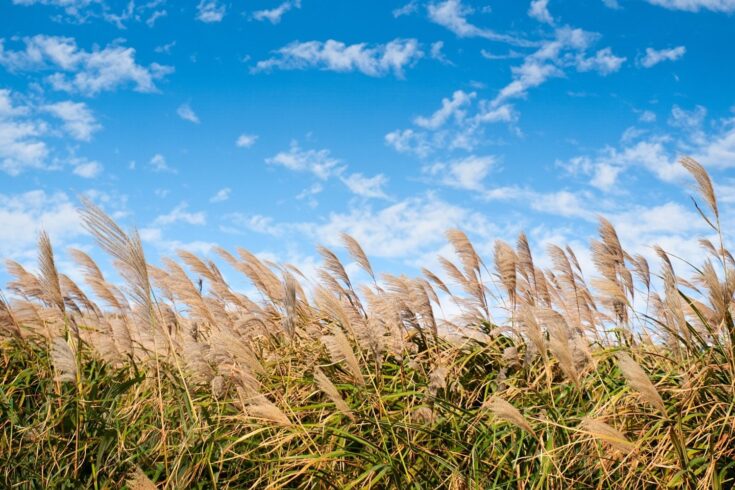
<point>276,125</point>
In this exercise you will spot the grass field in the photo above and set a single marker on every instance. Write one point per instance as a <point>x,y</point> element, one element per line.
<point>546,379</point>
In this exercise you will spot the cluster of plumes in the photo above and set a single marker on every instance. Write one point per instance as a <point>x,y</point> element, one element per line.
<point>224,339</point>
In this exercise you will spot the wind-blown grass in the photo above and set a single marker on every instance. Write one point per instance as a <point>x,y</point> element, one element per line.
<point>165,383</point>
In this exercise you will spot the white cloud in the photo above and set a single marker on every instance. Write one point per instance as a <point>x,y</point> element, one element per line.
<point>262,224</point>
<point>674,227</point>
<point>409,141</point>
<point>71,6</point>
<point>20,146</point>
<point>324,166</point>
<point>186,113</point>
<point>451,127</point>
<point>453,107</point>
<point>180,215</point>
<point>366,186</point>
<point>408,9</point>
<point>154,236</point>
<point>647,117</point>
<point>527,76</point>
<point>691,122</point>
<point>452,14</point>
<point>490,114</point>
<point>165,48</point>
<point>604,62</point>
<point>8,107</point>
<point>696,5</point>
<point>210,11</point>
<point>650,154</point>
<point>77,70</point>
<point>151,21</point>
<point>719,150</point>
<point>659,153</point>
<point>158,164</point>
<point>274,15</point>
<point>539,10</point>
<point>28,213</point>
<point>466,173</point>
<point>375,61</point>
<point>507,56</point>
<point>77,119</point>
<point>81,11</point>
<point>605,176</point>
<point>26,137</point>
<point>309,193</point>
<point>669,217</point>
<point>317,162</point>
<point>255,222</point>
<point>403,229</point>
<point>653,56</point>
<point>87,169</point>
<point>221,195</point>
<point>567,49</point>
<point>246,140</point>
<point>561,203</point>
<point>436,53</point>
<point>632,133</point>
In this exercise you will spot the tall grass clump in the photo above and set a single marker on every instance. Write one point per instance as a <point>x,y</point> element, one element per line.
<point>544,378</point>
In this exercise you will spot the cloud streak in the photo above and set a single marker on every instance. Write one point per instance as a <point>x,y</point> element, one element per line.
<point>653,56</point>
<point>375,61</point>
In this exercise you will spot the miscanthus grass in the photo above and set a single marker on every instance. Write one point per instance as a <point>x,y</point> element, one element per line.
<point>545,378</point>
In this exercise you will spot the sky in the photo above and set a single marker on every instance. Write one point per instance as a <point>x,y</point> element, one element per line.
<point>277,125</point>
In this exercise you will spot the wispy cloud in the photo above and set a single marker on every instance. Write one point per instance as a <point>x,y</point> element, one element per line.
<point>87,169</point>
<point>221,195</point>
<point>77,119</point>
<point>466,173</point>
<point>186,113</point>
<point>318,162</point>
<point>400,230</point>
<point>29,138</point>
<point>376,61</point>
<point>454,107</point>
<point>436,52</point>
<point>27,213</point>
<point>180,215</point>
<point>726,6</point>
<point>158,164</point>
<point>165,48</point>
<point>407,9</point>
<point>210,11</point>
<point>252,222</point>
<point>371,187</point>
<point>20,146</point>
<point>605,168</point>
<point>452,14</point>
<point>246,140</point>
<point>658,153</point>
<point>457,124</point>
<point>85,72</point>
<point>539,10</point>
<point>568,49</point>
<point>655,56</point>
<point>119,14</point>
<point>274,15</point>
